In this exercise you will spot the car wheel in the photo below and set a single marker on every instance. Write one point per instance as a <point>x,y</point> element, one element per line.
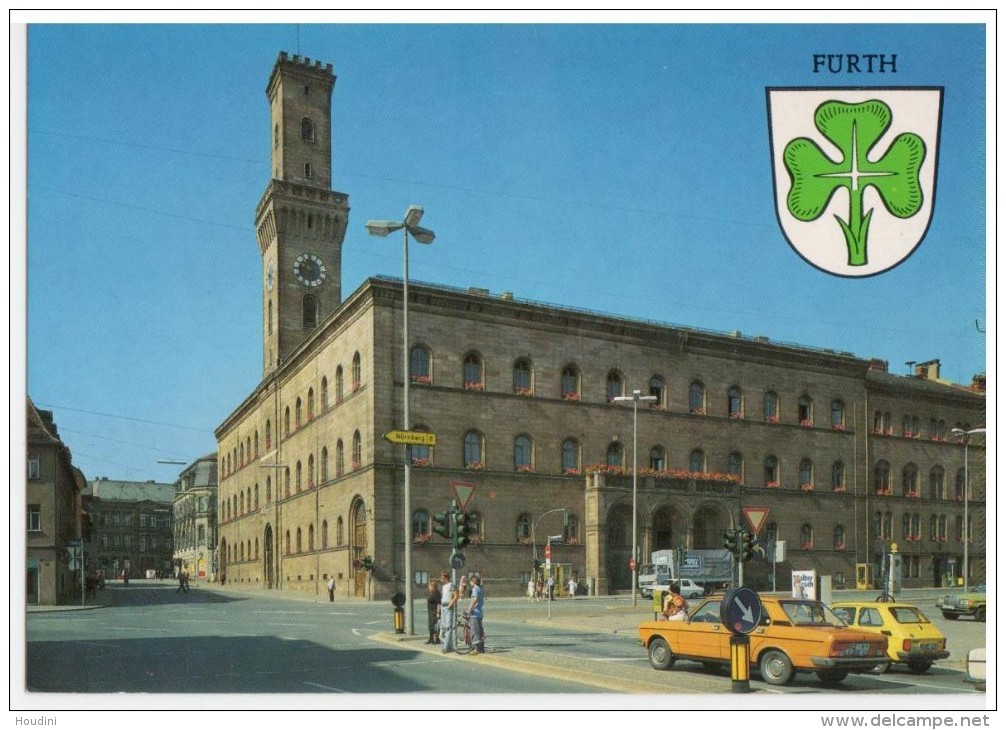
<point>775,667</point>
<point>950,616</point>
<point>832,676</point>
<point>919,666</point>
<point>660,653</point>
<point>980,614</point>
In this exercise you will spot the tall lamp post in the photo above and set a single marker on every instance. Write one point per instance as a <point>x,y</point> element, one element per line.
<point>966,437</point>
<point>382,228</point>
<point>635,398</point>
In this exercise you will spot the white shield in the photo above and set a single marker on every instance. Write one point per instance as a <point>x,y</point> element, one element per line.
<point>822,237</point>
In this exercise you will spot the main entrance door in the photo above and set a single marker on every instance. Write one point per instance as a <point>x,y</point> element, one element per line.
<point>358,516</point>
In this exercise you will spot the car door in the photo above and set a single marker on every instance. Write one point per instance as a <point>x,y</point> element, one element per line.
<point>704,636</point>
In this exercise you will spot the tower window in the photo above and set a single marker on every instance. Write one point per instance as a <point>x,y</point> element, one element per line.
<point>275,136</point>
<point>310,312</point>
<point>307,130</point>
<point>307,90</point>
<point>308,173</point>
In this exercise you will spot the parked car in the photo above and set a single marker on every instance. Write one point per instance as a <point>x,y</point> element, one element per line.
<point>685,586</point>
<point>972,603</point>
<point>794,635</point>
<point>975,668</point>
<point>912,639</point>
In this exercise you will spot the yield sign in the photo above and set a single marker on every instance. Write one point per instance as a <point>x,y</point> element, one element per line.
<point>756,517</point>
<point>463,492</point>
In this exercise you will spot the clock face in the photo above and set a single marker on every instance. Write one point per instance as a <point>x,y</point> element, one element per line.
<point>270,276</point>
<point>309,269</point>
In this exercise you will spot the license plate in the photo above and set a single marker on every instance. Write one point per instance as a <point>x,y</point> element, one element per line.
<point>927,646</point>
<point>862,649</point>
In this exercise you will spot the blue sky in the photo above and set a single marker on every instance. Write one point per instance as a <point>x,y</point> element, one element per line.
<point>619,168</point>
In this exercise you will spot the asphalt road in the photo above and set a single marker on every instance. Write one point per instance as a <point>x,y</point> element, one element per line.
<point>147,638</point>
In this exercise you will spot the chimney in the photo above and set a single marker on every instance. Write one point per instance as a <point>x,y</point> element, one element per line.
<point>929,370</point>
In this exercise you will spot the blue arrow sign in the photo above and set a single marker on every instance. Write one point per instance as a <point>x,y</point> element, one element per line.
<point>740,610</point>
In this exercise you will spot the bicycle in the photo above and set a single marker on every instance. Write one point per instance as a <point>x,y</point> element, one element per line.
<point>462,634</point>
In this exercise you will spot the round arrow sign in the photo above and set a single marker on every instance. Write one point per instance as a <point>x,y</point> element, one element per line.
<point>740,610</point>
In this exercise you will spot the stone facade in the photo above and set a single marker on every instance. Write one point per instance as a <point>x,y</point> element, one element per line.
<point>131,526</point>
<point>194,512</point>
<point>519,396</point>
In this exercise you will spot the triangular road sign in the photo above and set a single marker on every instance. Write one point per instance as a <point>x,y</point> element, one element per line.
<point>756,517</point>
<point>463,492</point>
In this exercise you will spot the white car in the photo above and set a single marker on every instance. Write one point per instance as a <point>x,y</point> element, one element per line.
<point>685,586</point>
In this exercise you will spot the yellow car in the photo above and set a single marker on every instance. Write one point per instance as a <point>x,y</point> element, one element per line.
<point>794,635</point>
<point>912,639</point>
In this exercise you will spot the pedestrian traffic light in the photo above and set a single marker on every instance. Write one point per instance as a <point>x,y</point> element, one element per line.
<point>730,541</point>
<point>461,530</point>
<point>442,524</point>
<point>747,546</point>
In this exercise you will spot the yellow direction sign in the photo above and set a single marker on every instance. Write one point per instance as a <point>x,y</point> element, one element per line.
<point>413,438</point>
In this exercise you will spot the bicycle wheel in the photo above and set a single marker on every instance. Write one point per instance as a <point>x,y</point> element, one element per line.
<point>462,636</point>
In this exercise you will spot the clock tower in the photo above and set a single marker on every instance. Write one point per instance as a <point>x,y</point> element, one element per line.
<point>300,221</point>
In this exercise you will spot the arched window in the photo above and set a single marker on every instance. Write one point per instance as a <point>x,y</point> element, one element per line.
<point>268,489</point>
<point>735,402</point>
<point>959,486</point>
<point>268,435</point>
<point>286,482</point>
<point>297,483</point>
<point>805,411</point>
<point>806,536</point>
<point>310,309</point>
<point>307,130</point>
<point>324,465</point>
<point>324,534</point>
<point>569,383</point>
<point>340,459</point>
<point>471,372</point>
<point>356,372</point>
<point>614,386</point>
<point>255,453</point>
<point>910,481</point>
<point>522,383</point>
<point>696,398</point>
<point>420,365</point>
<point>570,456</point>
<point>735,465</point>
<point>771,471</point>
<point>310,404</point>
<point>421,525</point>
<point>659,391</point>
<point>522,454</point>
<point>310,471</point>
<point>658,458</point>
<point>417,454</point>
<point>256,495</point>
<point>838,477</point>
<point>806,475</point>
<point>472,450</point>
<point>838,541</point>
<point>340,532</point>
<point>936,482</point>
<point>524,527</point>
<point>300,545</point>
<point>286,421</point>
<point>615,455</point>
<point>310,538</point>
<point>770,407</point>
<point>357,451</point>
<point>286,543</point>
<point>837,415</point>
<point>324,394</point>
<point>697,461</point>
<point>308,170</point>
<point>882,477</point>
<point>275,136</point>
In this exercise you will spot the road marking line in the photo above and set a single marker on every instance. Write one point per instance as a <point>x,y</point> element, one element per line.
<point>322,686</point>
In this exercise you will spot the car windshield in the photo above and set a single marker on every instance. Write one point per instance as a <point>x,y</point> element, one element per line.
<point>810,613</point>
<point>908,615</point>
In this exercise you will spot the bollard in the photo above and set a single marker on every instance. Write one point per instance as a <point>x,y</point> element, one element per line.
<point>399,620</point>
<point>740,663</point>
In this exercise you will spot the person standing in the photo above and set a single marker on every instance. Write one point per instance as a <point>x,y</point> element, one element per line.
<point>475,608</point>
<point>448,605</point>
<point>433,611</point>
<point>530,589</point>
<point>572,587</point>
<point>181,582</point>
<point>331,589</point>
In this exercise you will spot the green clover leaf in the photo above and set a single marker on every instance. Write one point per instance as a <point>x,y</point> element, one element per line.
<point>855,130</point>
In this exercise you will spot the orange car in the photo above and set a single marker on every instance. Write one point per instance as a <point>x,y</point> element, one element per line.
<point>794,635</point>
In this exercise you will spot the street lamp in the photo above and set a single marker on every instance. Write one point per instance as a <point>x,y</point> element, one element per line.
<point>966,437</point>
<point>382,228</point>
<point>635,398</point>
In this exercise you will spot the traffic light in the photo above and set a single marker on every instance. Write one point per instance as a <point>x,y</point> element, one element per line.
<point>461,530</point>
<point>730,541</point>
<point>442,524</point>
<point>747,546</point>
